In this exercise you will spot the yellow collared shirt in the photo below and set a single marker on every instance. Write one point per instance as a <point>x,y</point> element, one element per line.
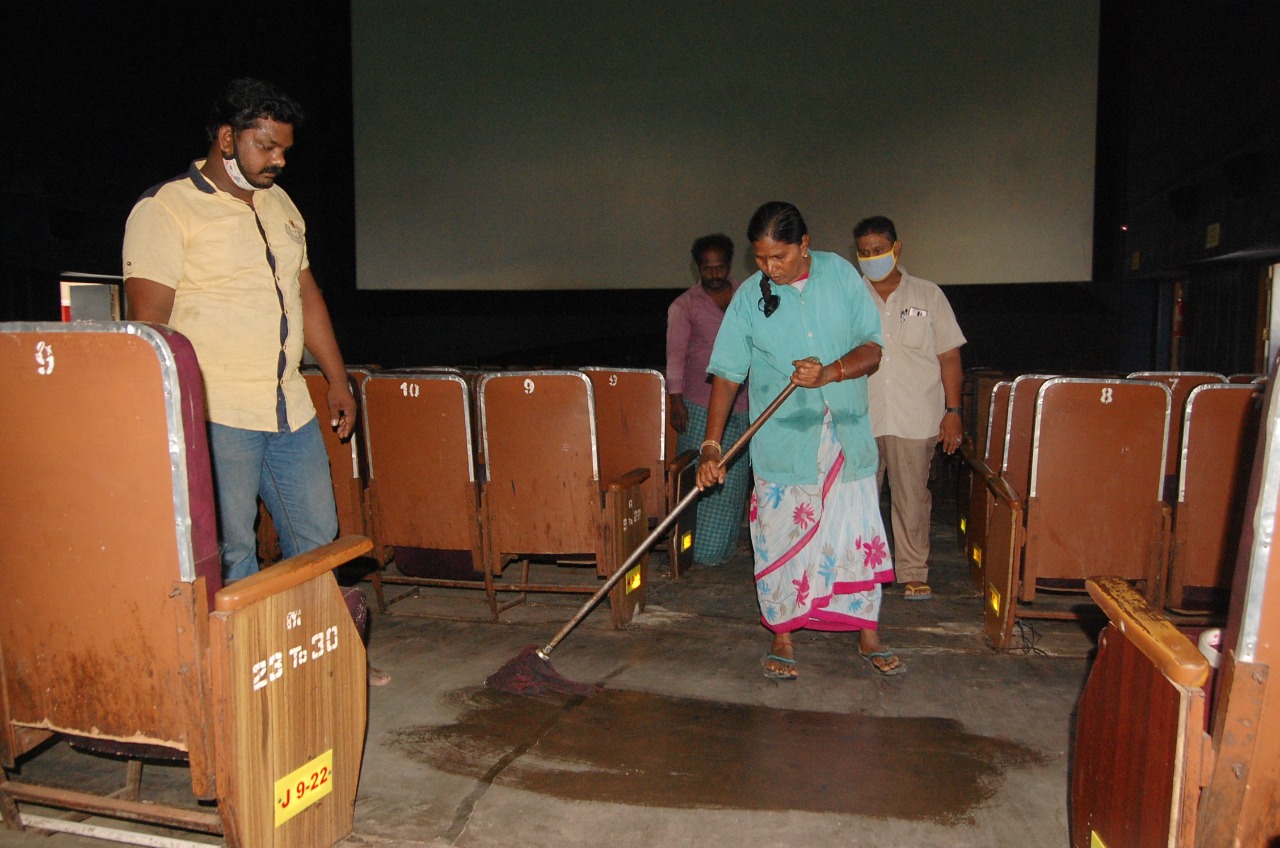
<point>213,250</point>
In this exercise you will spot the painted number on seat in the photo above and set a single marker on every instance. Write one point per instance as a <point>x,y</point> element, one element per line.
<point>1106,394</point>
<point>271,669</point>
<point>44,359</point>
<point>409,389</point>
<point>303,786</point>
<point>528,386</point>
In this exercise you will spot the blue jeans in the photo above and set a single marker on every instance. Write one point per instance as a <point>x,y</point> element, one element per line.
<point>290,472</point>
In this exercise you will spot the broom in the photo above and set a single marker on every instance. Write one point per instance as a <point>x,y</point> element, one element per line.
<point>530,671</point>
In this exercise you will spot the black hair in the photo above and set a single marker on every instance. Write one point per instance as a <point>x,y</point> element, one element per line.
<point>717,241</point>
<point>246,100</point>
<point>780,221</point>
<point>875,225</point>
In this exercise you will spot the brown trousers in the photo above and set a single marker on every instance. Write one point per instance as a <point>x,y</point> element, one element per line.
<point>907,463</point>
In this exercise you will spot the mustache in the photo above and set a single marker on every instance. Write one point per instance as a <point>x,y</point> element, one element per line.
<point>274,170</point>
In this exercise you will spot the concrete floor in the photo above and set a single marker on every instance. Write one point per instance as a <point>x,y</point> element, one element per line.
<point>689,744</point>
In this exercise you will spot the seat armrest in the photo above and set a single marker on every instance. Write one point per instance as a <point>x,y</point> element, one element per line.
<point>634,477</point>
<point>680,462</point>
<point>1150,631</point>
<point>290,572</point>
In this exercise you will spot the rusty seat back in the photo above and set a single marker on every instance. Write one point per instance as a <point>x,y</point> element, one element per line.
<point>113,625</point>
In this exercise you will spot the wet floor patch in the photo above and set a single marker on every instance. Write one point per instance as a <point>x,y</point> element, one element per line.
<point>641,748</point>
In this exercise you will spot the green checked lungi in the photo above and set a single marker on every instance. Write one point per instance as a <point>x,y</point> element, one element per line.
<point>719,509</point>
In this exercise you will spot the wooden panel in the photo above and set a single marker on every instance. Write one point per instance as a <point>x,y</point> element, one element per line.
<point>418,428</point>
<point>289,674</point>
<point>87,495</point>
<point>1096,481</point>
<point>1001,560</point>
<point>1220,431</point>
<point>1138,736</point>
<point>631,425</point>
<point>542,492</point>
<point>626,527</point>
<point>980,498</point>
<point>681,479</point>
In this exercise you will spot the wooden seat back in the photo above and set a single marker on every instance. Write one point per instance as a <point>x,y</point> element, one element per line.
<point>631,427</point>
<point>1181,384</point>
<point>108,569</point>
<point>1219,432</point>
<point>423,487</point>
<point>541,462</point>
<point>631,422</point>
<point>543,493</point>
<point>1096,481</point>
<point>91,513</point>
<point>1094,495</point>
<point>1020,420</point>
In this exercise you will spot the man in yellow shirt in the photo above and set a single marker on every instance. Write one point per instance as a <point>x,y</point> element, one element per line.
<point>220,254</point>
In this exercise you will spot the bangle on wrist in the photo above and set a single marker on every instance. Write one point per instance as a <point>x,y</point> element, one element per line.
<point>958,410</point>
<point>710,443</point>
<point>840,362</point>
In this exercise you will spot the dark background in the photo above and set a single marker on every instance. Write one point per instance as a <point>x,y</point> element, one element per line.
<point>104,100</point>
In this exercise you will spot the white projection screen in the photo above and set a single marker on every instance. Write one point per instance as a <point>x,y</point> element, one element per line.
<point>584,145</point>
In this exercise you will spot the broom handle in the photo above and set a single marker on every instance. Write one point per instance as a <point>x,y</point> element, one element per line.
<point>665,524</point>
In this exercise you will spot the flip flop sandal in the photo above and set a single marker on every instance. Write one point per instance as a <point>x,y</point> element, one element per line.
<point>918,593</point>
<point>882,655</point>
<point>774,674</point>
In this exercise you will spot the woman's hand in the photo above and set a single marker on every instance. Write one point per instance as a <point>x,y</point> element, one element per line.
<point>810,373</point>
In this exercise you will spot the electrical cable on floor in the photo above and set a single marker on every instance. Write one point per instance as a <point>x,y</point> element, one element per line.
<point>1028,639</point>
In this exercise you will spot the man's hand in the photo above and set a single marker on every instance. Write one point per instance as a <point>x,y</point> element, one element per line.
<point>679,414</point>
<point>950,432</point>
<point>342,409</point>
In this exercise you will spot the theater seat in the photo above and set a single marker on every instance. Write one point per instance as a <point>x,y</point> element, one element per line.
<point>115,630</point>
<point>544,493</point>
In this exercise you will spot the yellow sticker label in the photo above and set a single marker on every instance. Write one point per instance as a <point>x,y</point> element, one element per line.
<point>302,787</point>
<point>1095,841</point>
<point>634,577</point>
<point>963,524</point>
<point>686,540</point>
<point>977,556</point>
<point>994,594</point>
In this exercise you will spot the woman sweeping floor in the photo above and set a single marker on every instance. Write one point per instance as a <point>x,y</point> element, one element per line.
<point>818,538</point>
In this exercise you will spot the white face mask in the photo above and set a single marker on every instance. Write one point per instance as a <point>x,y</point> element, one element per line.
<point>876,268</point>
<point>233,171</point>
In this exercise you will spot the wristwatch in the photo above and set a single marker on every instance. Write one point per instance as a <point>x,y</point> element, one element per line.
<point>958,410</point>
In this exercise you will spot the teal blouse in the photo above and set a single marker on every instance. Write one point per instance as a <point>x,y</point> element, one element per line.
<point>832,316</point>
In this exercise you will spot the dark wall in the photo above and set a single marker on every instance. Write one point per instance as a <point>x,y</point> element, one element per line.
<point>104,100</point>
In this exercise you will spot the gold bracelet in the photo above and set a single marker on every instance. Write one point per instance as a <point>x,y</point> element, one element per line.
<point>840,362</point>
<point>710,442</point>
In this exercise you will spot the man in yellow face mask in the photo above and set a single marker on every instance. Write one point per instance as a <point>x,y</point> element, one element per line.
<point>915,394</point>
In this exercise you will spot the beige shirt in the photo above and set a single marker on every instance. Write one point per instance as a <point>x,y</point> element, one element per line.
<point>206,245</point>
<point>906,393</point>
